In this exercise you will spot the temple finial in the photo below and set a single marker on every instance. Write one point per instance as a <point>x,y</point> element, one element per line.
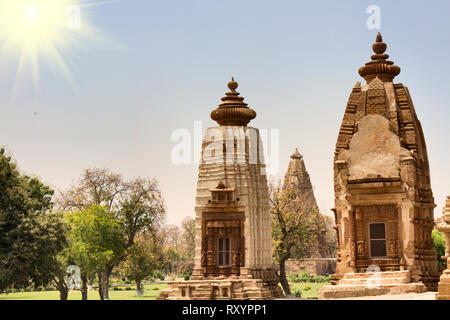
<point>379,37</point>
<point>296,155</point>
<point>233,111</point>
<point>379,47</point>
<point>379,66</point>
<point>232,85</point>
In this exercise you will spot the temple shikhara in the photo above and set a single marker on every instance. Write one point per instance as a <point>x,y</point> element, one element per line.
<point>298,181</point>
<point>233,255</point>
<point>383,199</point>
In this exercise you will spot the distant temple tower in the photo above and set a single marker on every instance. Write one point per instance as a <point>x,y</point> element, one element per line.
<point>233,255</point>
<point>383,199</point>
<point>297,179</point>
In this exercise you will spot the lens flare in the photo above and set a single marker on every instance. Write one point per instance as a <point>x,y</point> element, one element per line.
<point>44,31</point>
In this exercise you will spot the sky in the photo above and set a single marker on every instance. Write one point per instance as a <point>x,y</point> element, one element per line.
<point>150,67</point>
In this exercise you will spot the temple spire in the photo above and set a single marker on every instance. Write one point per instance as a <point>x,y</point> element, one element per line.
<point>296,155</point>
<point>379,66</point>
<point>233,111</point>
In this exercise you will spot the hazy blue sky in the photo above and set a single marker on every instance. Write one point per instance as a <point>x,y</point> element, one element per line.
<point>295,61</point>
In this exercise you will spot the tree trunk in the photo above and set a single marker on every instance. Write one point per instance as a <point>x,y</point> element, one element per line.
<point>61,285</point>
<point>139,292</point>
<point>283,278</point>
<point>105,280</point>
<point>100,285</point>
<point>63,293</point>
<point>84,289</point>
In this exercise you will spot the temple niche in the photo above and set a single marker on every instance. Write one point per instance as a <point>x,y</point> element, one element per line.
<point>383,199</point>
<point>233,254</point>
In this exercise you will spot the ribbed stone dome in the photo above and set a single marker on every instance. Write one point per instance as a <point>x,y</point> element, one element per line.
<point>379,66</point>
<point>233,111</point>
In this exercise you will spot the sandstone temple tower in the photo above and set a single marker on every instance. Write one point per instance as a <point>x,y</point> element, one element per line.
<point>383,199</point>
<point>297,179</point>
<point>233,255</point>
<point>444,226</point>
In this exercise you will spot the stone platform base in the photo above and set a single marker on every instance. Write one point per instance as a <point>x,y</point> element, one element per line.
<point>226,289</point>
<point>444,286</point>
<point>354,285</point>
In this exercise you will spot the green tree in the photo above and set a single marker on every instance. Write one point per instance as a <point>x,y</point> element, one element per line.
<point>143,258</point>
<point>96,242</point>
<point>171,258</point>
<point>188,238</point>
<point>31,236</point>
<point>439,245</point>
<point>294,228</point>
<point>136,203</point>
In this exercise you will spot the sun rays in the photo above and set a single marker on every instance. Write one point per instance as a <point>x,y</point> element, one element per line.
<point>51,32</point>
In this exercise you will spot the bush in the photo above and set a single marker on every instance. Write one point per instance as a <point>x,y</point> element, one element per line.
<point>117,288</point>
<point>185,268</point>
<point>298,293</point>
<point>304,274</point>
<point>155,288</point>
<point>38,289</point>
<point>129,288</point>
<point>157,274</point>
<point>304,277</point>
<point>293,277</point>
<point>186,277</point>
<point>306,288</point>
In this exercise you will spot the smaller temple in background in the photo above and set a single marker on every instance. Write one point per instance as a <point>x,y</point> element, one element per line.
<point>318,258</point>
<point>298,181</point>
<point>444,226</point>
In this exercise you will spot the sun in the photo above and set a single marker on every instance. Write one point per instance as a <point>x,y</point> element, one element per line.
<point>43,31</point>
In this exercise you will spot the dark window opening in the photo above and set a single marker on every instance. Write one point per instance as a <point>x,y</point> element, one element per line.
<point>224,251</point>
<point>377,233</point>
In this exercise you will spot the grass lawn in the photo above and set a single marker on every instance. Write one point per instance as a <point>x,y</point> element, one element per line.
<point>311,293</point>
<point>151,291</point>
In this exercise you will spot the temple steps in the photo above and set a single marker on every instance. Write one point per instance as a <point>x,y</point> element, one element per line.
<point>354,285</point>
<point>382,278</point>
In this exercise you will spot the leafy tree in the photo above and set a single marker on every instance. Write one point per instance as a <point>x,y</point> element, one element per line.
<point>136,203</point>
<point>171,259</point>
<point>439,245</point>
<point>31,236</point>
<point>143,258</point>
<point>171,235</point>
<point>188,237</point>
<point>294,227</point>
<point>96,243</point>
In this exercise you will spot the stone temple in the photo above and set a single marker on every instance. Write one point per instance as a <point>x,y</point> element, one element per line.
<point>233,255</point>
<point>383,199</point>
<point>297,179</point>
<point>444,226</point>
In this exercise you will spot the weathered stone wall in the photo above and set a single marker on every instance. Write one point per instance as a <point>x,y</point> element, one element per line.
<point>314,267</point>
